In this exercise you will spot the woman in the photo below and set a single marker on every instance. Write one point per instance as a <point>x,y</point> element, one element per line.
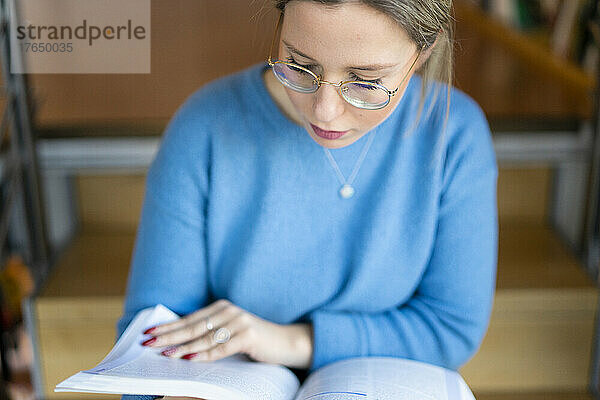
<point>327,205</point>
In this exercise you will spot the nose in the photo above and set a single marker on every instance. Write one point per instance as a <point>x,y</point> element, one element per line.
<point>327,103</point>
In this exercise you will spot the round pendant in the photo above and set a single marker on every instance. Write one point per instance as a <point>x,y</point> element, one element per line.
<point>347,191</point>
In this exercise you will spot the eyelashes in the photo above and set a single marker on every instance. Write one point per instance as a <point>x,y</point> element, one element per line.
<point>355,77</point>
<point>313,67</point>
<point>310,67</point>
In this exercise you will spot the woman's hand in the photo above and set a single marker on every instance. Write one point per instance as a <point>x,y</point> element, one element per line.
<point>191,337</point>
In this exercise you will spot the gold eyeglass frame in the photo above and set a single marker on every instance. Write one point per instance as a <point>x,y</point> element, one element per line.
<point>318,80</point>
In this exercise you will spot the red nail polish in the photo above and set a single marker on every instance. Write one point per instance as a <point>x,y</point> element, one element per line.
<point>189,356</point>
<point>149,330</point>
<point>149,341</point>
<point>169,352</point>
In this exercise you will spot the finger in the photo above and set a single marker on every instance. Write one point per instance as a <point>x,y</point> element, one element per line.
<point>237,344</point>
<point>190,318</point>
<point>237,324</point>
<point>193,330</point>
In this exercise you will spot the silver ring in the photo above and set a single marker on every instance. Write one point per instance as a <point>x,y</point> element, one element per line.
<point>222,335</point>
<point>209,325</point>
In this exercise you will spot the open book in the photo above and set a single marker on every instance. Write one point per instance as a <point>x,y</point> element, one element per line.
<point>131,368</point>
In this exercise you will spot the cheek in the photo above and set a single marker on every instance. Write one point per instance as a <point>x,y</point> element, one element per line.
<point>301,101</point>
<point>368,119</point>
<point>371,118</point>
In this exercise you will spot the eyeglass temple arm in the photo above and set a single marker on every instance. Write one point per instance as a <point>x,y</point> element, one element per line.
<point>408,73</point>
<point>274,36</point>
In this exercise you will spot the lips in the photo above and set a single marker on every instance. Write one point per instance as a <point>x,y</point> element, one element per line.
<point>329,135</point>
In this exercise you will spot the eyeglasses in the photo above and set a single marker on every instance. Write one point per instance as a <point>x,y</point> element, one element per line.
<point>362,94</point>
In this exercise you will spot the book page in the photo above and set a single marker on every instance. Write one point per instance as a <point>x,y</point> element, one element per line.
<point>131,368</point>
<point>383,378</point>
<point>128,347</point>
<point>238,373</point>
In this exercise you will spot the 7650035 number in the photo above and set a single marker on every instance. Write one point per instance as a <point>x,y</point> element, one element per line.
<point>42,47</point>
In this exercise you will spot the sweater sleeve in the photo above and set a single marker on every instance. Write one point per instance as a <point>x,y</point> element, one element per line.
<point>445,320</point>
<point>168,264</point>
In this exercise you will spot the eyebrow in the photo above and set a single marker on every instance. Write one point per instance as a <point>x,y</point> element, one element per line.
<point>371,67</point>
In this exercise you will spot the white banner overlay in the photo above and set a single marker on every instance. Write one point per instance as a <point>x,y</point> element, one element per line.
<point>80,37</point>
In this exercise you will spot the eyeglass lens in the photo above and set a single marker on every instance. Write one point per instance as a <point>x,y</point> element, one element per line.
<point>295,78</point>
<point>359,94</point>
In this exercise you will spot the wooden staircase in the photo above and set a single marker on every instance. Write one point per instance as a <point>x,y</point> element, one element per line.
<point>542,324</point>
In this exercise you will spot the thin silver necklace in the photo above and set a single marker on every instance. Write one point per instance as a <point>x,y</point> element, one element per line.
<point>347,190</point>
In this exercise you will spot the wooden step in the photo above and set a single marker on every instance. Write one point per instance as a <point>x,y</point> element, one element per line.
<point>531,255</point>
<point>535,396</point>
<point>540,335</point>
<point>75,314</point>
<point>539,338</point>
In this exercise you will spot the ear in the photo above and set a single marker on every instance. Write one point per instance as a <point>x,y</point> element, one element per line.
<point>427,52</point>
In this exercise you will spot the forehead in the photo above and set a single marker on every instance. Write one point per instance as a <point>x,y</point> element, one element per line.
<point>351,32</point>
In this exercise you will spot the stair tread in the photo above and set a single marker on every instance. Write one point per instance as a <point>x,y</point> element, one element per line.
<point>95,264</point>
<point>535,396</point>
<point>530,256</point>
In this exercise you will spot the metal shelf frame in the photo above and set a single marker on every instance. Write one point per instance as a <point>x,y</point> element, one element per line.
<point>21,209</point>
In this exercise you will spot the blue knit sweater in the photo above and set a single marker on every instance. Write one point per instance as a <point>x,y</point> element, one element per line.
<point>241,203</point>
